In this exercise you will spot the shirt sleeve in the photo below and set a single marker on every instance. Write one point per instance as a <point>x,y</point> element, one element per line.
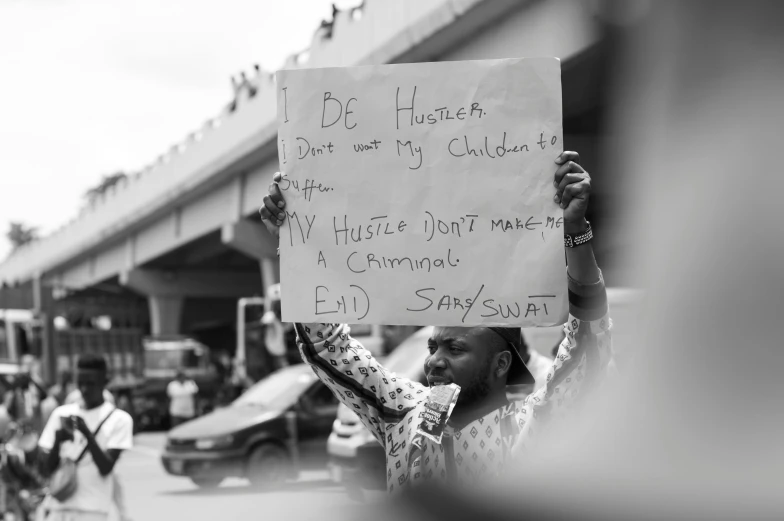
<point>121,435</point>
<point>582,360</point>
<point>379,397</point>
<point>46,440</point>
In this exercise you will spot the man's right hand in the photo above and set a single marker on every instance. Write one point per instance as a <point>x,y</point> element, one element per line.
<point>62,435</point>
<point>274,210</point>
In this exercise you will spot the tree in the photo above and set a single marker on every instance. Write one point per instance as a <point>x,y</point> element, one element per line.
<point>20,234</point>
<point>107,182</point>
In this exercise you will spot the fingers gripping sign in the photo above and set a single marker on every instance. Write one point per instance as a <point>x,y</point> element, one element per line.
<point>573,187</point>
<point>273,211</point>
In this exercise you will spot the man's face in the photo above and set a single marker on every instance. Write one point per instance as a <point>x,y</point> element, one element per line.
<point>461,355</point>
<point>91,384</point>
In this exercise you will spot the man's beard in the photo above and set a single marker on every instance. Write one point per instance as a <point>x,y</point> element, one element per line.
<point>477,390</point>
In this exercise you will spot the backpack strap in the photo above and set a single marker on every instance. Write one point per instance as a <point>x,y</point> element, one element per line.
<point>95,433</point>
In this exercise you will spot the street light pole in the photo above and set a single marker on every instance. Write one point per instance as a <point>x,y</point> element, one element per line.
<point>240,357</point>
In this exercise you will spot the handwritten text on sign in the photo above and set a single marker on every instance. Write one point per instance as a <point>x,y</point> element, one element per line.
<point>422,194</point>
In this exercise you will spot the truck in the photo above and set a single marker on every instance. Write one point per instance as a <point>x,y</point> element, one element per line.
<point>163,358</point>
<point>140,367</point>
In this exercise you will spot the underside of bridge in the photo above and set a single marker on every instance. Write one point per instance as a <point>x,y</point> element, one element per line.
<point>191,290</point>
<point>181,269</point>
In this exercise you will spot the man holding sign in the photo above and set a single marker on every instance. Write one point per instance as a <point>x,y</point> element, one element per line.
<point>376,161</point>
<point>484,426</point>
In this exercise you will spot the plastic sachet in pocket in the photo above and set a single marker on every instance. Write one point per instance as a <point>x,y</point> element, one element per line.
<point>437,409</point>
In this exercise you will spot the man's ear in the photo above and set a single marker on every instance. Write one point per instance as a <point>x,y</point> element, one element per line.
<point>503,363</point>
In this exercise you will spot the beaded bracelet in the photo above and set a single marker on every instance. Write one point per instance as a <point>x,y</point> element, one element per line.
<point>573,240</point>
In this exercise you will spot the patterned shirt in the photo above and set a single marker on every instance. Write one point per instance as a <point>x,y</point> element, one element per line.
<point>390,406</point>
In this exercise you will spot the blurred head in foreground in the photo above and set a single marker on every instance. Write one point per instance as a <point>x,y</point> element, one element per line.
<point>697,415</point>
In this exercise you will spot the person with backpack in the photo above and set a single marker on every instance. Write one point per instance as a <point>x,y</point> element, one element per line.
<point>81,444</point>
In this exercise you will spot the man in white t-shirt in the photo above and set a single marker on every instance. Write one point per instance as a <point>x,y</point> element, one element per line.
<point>182,399</point>
<point>70,429</point>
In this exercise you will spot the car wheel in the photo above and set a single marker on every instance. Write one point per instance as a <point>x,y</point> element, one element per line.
<point>268,466</point>
<point>207,482</point>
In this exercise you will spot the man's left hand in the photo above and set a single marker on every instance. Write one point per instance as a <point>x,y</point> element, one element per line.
<point>573,189</point>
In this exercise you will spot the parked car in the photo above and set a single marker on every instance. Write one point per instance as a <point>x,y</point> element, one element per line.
<point>277,427</point>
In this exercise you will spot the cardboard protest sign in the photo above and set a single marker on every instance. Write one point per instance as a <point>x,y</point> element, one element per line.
<point>422,194</point>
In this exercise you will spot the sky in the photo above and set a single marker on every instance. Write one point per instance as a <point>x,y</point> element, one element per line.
<point>92,87</point>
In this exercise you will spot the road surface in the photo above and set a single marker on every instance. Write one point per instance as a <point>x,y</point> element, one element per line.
<point>153,495</point>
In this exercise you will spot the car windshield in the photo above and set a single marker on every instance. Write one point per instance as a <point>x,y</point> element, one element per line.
<point>408,358</point>
<point>278,390</point>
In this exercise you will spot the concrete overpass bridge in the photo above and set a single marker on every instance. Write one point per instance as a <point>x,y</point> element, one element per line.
<point>181,240</point>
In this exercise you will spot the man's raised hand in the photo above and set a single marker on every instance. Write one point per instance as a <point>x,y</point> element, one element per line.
<point>573,188</point>
<point>81,426</point>
<point>273,212</point>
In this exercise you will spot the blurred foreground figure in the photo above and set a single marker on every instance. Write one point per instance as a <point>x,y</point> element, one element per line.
<point>700,110</point>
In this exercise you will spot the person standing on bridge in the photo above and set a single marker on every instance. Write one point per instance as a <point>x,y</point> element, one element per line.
<point>486,428</point>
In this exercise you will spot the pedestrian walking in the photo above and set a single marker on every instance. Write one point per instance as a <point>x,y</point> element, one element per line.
<point>81,444</point>
<point>486,428</point>
<point>182,393</point>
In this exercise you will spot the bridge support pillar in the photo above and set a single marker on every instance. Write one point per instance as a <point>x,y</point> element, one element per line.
<point>43,307</point>
<point>251,239</point>
<point>166,291</point>
<point>165,314</point>
<point>270,272</point>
